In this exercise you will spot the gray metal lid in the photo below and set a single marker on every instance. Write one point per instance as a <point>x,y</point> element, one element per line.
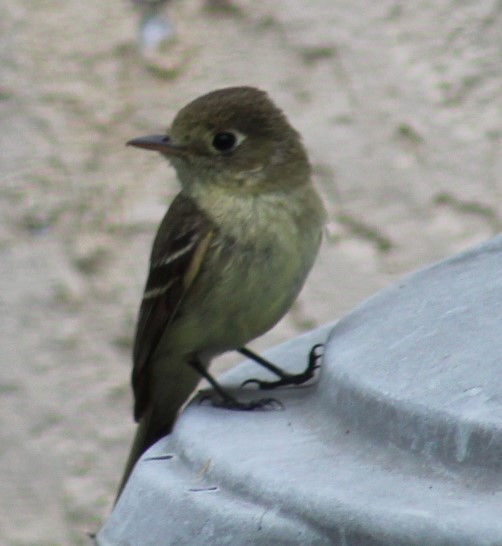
<point>399,443</point>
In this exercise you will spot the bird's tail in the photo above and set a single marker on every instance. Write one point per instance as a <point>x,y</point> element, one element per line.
<point>150,429</point>
<point>172,384</point>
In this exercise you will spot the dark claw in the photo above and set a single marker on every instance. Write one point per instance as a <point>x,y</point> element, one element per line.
<point>313,353</point>
<point>249,381</point>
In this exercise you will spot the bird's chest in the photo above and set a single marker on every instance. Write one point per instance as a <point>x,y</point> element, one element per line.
<point>259,272</point>
<point>257,263</point>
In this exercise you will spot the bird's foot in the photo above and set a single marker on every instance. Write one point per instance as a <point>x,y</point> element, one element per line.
<point>231,403</point>
<point>286,378</point>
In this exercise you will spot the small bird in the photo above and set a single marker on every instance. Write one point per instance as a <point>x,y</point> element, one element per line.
<point>230,256</point>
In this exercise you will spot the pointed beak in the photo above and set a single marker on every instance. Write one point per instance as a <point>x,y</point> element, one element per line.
<point>158,143</point>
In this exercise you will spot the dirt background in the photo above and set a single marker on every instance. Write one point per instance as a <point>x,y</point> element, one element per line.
<point>399,104</point>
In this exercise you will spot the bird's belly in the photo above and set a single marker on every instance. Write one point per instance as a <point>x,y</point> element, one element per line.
<point>238,305</point>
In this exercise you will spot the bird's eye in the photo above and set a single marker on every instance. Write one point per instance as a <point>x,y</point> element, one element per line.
<point>224,142</point>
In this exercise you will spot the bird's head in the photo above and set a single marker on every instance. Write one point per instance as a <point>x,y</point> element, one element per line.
<point>234,137</point>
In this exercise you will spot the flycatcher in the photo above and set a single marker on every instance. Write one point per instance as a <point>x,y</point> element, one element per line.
<point>230,256</point>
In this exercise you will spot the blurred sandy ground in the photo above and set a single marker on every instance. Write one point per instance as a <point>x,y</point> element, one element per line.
<point>399,106</point>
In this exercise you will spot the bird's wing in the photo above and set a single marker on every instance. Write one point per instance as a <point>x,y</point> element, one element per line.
<point>178,252</point>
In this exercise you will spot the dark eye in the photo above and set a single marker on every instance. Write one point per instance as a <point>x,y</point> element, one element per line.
<point>224,142</point>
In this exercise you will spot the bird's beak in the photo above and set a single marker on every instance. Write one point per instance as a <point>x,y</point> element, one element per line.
<point>158,143</point>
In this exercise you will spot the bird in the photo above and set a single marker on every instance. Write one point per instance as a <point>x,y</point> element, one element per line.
<point>230,256</point>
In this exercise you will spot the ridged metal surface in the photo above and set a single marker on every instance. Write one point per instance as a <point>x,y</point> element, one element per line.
<point>399,442</point>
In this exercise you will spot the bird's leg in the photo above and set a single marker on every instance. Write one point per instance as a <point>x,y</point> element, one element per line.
<point>285,378</point>
<point>227,400</point>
